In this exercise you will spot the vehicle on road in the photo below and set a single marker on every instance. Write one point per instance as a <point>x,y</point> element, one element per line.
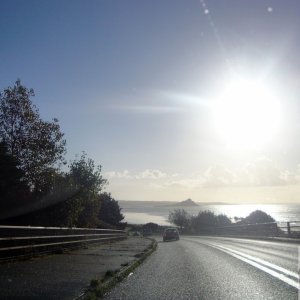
<point>171,234</point>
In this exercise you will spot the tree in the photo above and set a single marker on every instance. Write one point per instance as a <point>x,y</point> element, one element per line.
<point>257,216</point>
<point>110,211</point>
<point>223,220</point>
<point>204,219</point>
<point>86,176</point>
<point>153,227</point>
<point>73,200</point>
<point>207,220</point>
<point>36,144</point>
<point>13,189</point>
<point>179,217</point>
<point>86,181</point>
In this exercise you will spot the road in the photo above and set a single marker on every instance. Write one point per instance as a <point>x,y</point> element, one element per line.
<point>215,268</point>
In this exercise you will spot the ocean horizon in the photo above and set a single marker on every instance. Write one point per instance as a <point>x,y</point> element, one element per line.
<point>141,212</point>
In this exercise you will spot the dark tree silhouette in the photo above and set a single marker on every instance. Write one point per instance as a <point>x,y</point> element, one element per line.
<point>153,227</point>
<point>110,211</point>
<point>208,219</point>
<point>86,181</point>
<point>13,189</point>
<point>37,145</point>
<point>257,216</point>
<point>180,218</point>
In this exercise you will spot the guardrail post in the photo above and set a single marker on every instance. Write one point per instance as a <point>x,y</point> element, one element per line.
<point>288,228</point>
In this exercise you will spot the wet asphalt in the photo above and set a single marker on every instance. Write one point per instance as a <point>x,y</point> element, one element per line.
<point>193,268</point>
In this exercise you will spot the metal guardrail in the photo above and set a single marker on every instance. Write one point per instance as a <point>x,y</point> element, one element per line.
<point>290,229</point>
<point>18,241</point>
<point>272,229</point>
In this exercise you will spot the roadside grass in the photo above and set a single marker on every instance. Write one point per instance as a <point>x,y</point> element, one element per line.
<point>99,287</point>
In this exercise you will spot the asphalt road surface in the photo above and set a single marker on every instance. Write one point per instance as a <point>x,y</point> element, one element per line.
<point>215,268</point>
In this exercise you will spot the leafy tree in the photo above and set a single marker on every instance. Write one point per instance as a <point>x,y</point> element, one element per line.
<point>72,201</point>
<point>86,181</point>
<point>257,216</point>
<point>204,219</point>
<point>86,176</point>
<point>180,218</point>
<point>63,203</point>
<point>153,227</point>
<point>36,144</point>
<point>110,211</point>
<point>13,189</point>
<point>223,220</point>
<point>208,219</point>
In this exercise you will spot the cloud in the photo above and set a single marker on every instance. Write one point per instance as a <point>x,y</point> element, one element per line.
<point>218,175</point>
<point>113,174</point>
<point>261,173</point>
<point>146,174</point>
<point>264,172</point>
<point>290,178</point>
<point>184,183</point>
<point>151,174</point>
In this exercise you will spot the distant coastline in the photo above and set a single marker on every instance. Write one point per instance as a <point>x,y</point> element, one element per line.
<point>140,212</point>
<point>172,202</point>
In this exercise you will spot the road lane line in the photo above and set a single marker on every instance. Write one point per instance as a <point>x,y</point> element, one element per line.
<point>248,259</point>
<point>263,262</point>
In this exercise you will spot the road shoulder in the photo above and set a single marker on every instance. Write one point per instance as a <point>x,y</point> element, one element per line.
<point>100,286</point>
<point>68,275</point>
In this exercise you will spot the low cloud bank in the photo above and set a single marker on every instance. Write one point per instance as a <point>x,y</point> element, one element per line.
<point>262,173</point>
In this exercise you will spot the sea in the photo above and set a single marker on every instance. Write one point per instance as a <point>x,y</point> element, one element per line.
<point>142,212</point>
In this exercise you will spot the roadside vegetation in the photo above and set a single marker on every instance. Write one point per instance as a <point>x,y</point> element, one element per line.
<point>100,286</point>
<point>209,222</point>
<point>147,229</point>
<point>37,185</point>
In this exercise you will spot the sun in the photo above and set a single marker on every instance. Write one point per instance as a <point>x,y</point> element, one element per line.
<point>247,114</point>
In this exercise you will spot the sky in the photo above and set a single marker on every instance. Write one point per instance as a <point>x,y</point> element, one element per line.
<point>174,99</point>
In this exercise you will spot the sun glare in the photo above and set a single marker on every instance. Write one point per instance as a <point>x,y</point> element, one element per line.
<point>247,114</point>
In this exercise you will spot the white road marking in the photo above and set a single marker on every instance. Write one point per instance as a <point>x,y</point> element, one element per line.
<point>274,270</point>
